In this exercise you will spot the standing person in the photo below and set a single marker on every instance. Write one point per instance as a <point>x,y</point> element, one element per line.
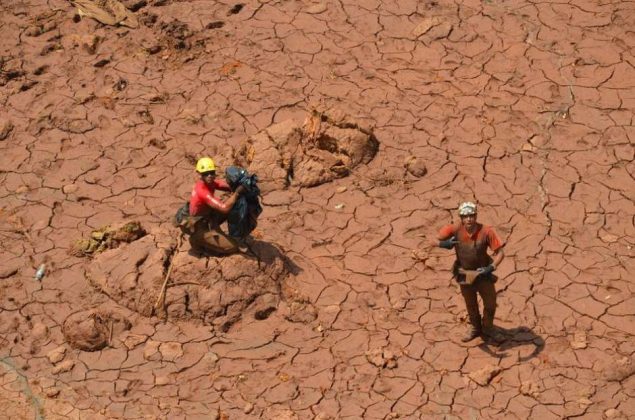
<point>207,212</point>
<point>474,267</point>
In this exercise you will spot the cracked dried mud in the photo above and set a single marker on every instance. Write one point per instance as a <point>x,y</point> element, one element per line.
<point>369,122</point>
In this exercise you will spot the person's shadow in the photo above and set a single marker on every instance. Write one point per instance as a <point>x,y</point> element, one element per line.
<point>509,338</point>
<point>266,254</point>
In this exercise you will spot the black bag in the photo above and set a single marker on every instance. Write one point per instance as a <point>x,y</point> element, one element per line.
<point>182,219</point>
<point>243,217</point>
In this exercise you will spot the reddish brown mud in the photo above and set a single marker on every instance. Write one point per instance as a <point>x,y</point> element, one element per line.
<point>526,107</point>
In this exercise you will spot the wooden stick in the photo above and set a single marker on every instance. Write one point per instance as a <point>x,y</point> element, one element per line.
<point>161,298</point>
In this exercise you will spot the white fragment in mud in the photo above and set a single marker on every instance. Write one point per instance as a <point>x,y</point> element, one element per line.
<point>579,340</point>
<point>339,206</point>
<point>341,189</point>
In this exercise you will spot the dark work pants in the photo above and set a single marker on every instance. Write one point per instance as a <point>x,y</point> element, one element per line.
<point>485,288</point>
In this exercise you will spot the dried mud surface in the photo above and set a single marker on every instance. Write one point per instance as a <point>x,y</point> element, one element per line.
<point>526,107</point>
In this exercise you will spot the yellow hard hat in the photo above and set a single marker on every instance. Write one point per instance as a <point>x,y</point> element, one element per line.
<point>205,164</point>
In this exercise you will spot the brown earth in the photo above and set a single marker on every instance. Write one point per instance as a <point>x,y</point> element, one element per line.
<point>525,107</point>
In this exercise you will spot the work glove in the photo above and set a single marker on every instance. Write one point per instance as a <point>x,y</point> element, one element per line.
<point>448,243</point>
<point>486,270</point>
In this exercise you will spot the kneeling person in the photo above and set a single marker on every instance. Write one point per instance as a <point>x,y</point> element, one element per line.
<point>208,212</point>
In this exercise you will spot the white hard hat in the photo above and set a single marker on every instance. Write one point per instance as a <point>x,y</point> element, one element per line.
<point>467,209</point>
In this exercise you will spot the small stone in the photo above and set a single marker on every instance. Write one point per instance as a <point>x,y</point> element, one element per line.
<point>527,147</point>
<point>609,239</point>
<point>579,340</point>
<point>611,412</point>
<point>161,380</point>
<point>248,408</point>
<point>69,189</point>
<point>530,389</point>
<point>376,357</point>
<point>322,416</point>
<point>64,366</point>
<point>485,375</point>
<point>425,26</point>
<point>211,357</point>
<point>415,166</point>
<point>6,127</point>
<point>133,340</point>
<point>585,401</point>
<point>56,355</point>
<point>341,189</point>
<point>52,392</point>
<point>316,9</point>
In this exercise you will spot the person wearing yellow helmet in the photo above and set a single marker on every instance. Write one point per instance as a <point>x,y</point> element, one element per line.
<point>474,267</point>
<point>207,212</point>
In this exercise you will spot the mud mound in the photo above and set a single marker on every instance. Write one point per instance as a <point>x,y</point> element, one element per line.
<point>218,291</point>
<point>107,238</point>
<point>327,146</point>
<point>93,330</point>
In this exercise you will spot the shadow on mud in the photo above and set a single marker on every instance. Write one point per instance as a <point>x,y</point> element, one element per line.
<point>266,253</point>
<point>509,338</point>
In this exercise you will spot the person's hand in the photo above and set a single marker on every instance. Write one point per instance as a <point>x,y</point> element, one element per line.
<point>486,270</point>
<point>241,189</point>
<point>448,243</point>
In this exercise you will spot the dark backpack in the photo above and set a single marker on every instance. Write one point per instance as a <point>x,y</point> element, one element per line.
<point>243,217</point>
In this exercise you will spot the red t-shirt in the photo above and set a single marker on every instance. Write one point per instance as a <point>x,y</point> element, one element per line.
<point>203,197</point>
<point>482,233</point>
<point>471,250</point>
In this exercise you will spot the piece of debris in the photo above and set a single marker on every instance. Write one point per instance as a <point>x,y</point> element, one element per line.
<point>235,9</point>
<point>6,127</point>
<point>339,206</point>
<point>41,271</point>
<point>316,9</point>
<point>579,340</point>
<point>56,355</point>
<point>107,238</point>
<point>485,375</point>
<point>425,26</point>
<point>415,166</point>
<point>382,358</point>
<point>109,12</point>
<point>93,330</point>
<point>64,366</point>
<point>530,389</point>
<point>52,392</point>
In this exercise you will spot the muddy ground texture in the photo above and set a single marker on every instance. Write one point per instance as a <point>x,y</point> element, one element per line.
<point>368,122</point>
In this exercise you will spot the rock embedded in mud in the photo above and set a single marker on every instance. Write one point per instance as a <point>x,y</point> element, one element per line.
<point>484,375</point>
<point>327,146</point>
<point>415,166</point>
<point>93,330</point>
